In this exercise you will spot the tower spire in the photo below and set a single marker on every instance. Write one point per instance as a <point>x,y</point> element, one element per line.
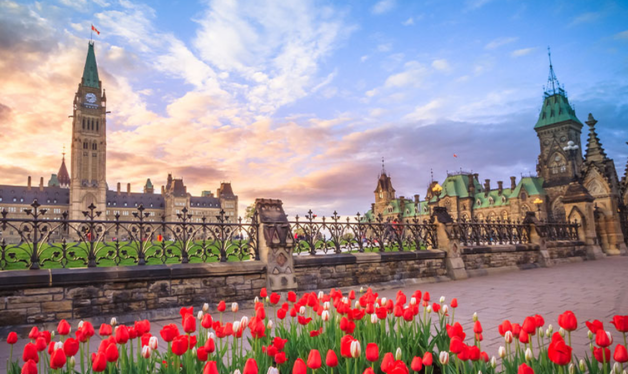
<point>383,167</point>
<point>595,151</point>
<point>90,72</point>
<point>553,86</point>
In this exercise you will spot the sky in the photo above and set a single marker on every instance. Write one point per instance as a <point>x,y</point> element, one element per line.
<point>300,100</point>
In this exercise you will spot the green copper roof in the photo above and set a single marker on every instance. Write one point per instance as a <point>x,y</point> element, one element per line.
<point>53,182</point>
<point>90,73</point>
<point>458,185</point>
<point>556,108</point>
<point>494,199</point>
<point>533,185</point>
<point>149,184</point>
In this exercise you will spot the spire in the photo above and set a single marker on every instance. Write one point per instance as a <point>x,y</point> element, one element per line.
<point>553,86</point>
<point>90,72</point>
<point>383,168</point>
<point>148,187</point>
<point>595,152</point>
<point>63,176</point>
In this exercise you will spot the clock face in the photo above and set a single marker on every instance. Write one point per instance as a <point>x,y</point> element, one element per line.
<point>90,98</point>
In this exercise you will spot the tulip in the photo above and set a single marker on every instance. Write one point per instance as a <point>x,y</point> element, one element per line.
<point>299,367</point>
<point>146,352</point>
<point>105,330</point>
<point>99,362</point>
<point>621,354</point>
<point>71,347</point>
<point>571,369</point>
<point>210,368</point>
<point>528,355</point>
<point>525,369</point>
<point>41,344</point>
<point>234,307</point>
<point>368,371</point>
<point>30,353</point>
<point>445,309</point>
<point>620,323</point>
<point>559,352</point>
<point>443,357</point>
<point>205,307</point>
<point>372,352</point>
<point>416,364</point>
<point>508,337</point>
<point>12,338</point>
<point>475,317</point>
<point>222,306</point>
<point>63,328</point>
<point>324,315</point>
<point>568,321</point>
<point>58,359</point>
<point>30,367</point>
<point>180,345</point>
<point>272,370</point>
<point>602,354</point>
<point>603,338</point>
<point>355,349</point>
<point>387,362</point>
<point>493,362</point>
<point>427,359</point>
<point>398,354</point>
<point>314,359</point>
<point>331,360</point>
<point>582,365</point>
<point>122,334</point>
<point>113,322</point>
<point>501,352</point>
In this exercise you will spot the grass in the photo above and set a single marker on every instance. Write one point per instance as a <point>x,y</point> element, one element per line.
<point>17,257</point>
<point>319,245</point>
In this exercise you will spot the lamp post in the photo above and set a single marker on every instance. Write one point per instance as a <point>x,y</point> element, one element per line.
<point>571,148</point>
<point>538,203</point>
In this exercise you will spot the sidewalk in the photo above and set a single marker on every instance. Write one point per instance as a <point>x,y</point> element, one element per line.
<point>592,290</point>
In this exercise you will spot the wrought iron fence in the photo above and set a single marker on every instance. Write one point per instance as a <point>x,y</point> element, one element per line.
<point>357,234</point>
<point>491,232</point>
<point>554,231</point>
<point>37,241</point>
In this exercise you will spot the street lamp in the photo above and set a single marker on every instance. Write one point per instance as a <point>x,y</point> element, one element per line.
<point>571,149</point>
<point>538,203</point>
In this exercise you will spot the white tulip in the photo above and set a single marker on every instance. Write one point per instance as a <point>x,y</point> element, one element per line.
<point>234,307</point>
<point>58,345</point>
<point>256,300</point>
<point>445,309</point>
<point>355,349</point>
<point>326,305</point>
<point>501,352</point>
<point>236,326</point>
<point>508,337</point>
<point>582,365</point>
<point>571,369</point>
<point>272,370</point>
<point>80,324</point>
<point>443,357</point>
<point>146,351</point>
<point>383,302</point>
<point>429,309</point>
<point>357,304</point>
<point>550,328</point>
<point>442,299</point>
<point>561,331</point>
<point>374,318</point>
<point>205,308</point>
<point>267,299</point>
<point>590,335</point>
<point>493,362</point>
<point>302,310</point>
<point>320,295</point>
<point>244,321</point>
<point>199,315</point>
<point>153,343</point>
<point>413,300</point>
<point>72,361</point>
<point>211,335</point>
<point>398,354</point>
<point>114,322</point>
<point>236,371</point>
<point>529,356</point>
<point>270,324</point>
<point>475,317</point>
<point>325,315</point>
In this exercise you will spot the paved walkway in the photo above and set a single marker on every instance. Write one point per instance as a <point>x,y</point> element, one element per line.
<point>592,290</point>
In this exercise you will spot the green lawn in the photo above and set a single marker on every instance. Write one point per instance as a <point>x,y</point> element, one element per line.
<point>304,247</point>
<point>51,256</point>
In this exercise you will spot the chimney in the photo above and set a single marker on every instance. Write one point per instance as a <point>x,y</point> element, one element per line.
<point>118,188</point>
<point>402,204</point>
<point>416,199</point>
<point>41,183</point>
<point>487,186</point>
<point>477,177</point>
<point>128,188</point>
<point>500,186</point>
<point>373,208</point>
<point>163,190</point>
<point>471,187</point>
<point>513,182</point>
<point>28,184</point>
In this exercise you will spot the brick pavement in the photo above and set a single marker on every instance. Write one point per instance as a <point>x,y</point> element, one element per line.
<point>592,290</point>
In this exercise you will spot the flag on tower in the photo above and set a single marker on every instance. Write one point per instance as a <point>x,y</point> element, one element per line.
<point>95,29</point>
<point>455,155</point>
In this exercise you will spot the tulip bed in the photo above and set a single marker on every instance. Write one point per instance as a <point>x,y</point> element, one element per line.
<point>323,334</point>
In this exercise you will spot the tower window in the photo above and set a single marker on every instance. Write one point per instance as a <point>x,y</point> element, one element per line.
<point>94,146</point>
<point>84,145</point>
<point>83,123</point>
<point>96,125</point>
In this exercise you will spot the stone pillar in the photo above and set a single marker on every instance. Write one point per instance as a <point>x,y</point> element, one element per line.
<point>449,241</point>
<point>537,237</point>
<point>579,206</point>
<point>276,245</point>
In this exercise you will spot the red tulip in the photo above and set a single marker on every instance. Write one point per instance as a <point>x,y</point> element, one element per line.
<point>41,344</point>
<point>620,323</point>
<point>368,371</point>
<point>603,339</point>
<point>70,347</point>
<point>559,352</point>
<point>524,337</point>
<point>539,320</point>
<point>435,307</point>
<point>63,328</point>
<point>263,293</point>
<point>99,362</point>
<point>345,345</point>
<point>279,343</point>
<point>504,327</point>
<point>516,330</point>
<point>525,369</point>
<point>142,327</point>
<point>477,327</point>
<point>30,353</point>
<point>599,352</point>
<point>455,345</point>
<point>274,298</point>
<point>621,354</point>
<point>222,306</point>
<point>185,311</point>
<point>122,334</point>
<point>417,362</point>
<point>12,338</point>
<point>372,352</point>
<point>280,358</point>
<point>51,348</point>
<point>111,353</point>
<point>428,359</point>
<point>201,354</point>
<point>594,326</point>
<point>454,303</point>
<point>388,362</point>
<point>180,345</point>
<point>105,330</point>
<point>331,360</point>
<point>292,297</point>
<point>399,367</point>
<point>299,367</point>
<point>210,368</point>
<point>30,367</point>
<point>281,313</point>
<point>529,325</point>
<point>568,321</point>
<point>314,359</point>
<point>210,345</point>
<point>189,324</point>
<point>169,332</point>
<point>58,359</point>
<point>207,321</point>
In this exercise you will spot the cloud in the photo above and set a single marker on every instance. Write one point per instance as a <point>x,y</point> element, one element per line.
<point>408,22</point>
<point>413,75</point>
<point>383,6</point>
<point>385,47</point>
<point>588,17</point>
<point>622,35</point>
<point>522,52</point>
<point>499,42</point>
<point>476,4</point>
<point>441,65</point>
<point>427,112</point>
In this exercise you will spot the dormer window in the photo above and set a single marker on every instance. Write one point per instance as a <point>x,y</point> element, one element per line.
<point>491,201</point>
<point>503,199</point>
<point>478,202</point>
<point>524,197</point>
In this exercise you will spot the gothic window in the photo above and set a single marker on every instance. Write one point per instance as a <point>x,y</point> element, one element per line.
<point>503,199</point>
<point>523,196</point>
<point>96,125</point>
<point>85,145</point>
<point>558,164</point>
<point>92,124</point>
<point>94,146</point>
<point>491,201</point>
<point>492,216</point>
<point>478,202</point>
<point>83,123</point>
<point>505,215</point>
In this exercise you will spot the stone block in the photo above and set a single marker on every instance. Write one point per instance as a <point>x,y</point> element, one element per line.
<point>13,317</point>
<point>12,306</point>
<point>131,285</point>
<point>57,306</point>
<point>63,315</point>
<point>40,318</point>
<point>238,279</point>
<point>88,292</point>
<point>214,282</point>
<point>160,288</point>
<point>28,299</point>
<point>39,291</point>
<point>178,290</point>
<point>114,286</point>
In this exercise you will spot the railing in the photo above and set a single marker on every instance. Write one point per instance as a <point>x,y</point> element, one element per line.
<point>335,235</point>
<point>491,232</point>
<point>39,242</point>
<point>554,231</point>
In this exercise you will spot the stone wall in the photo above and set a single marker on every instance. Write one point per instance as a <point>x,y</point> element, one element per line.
<point>563,251</point>
<point>482,260</point>
<point>40,296</point>
<point>362,269</point>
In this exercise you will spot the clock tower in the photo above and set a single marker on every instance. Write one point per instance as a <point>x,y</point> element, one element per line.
<point>89,142</point>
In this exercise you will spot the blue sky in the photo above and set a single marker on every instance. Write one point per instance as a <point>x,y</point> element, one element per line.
<point>300,100</point>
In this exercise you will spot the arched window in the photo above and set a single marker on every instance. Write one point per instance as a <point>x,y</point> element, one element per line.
<point>85,145</point>
<point>523,197</point>
<point>92,124</point>
<point>94,146</point>
<point>83,123</point>
<point>96,125</point>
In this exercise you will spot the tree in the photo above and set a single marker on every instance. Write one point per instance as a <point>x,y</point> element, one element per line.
<point>249,213</point>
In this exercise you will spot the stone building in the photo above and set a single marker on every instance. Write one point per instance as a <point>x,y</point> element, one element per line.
<point>560,163</point>
<point>86,182</point>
